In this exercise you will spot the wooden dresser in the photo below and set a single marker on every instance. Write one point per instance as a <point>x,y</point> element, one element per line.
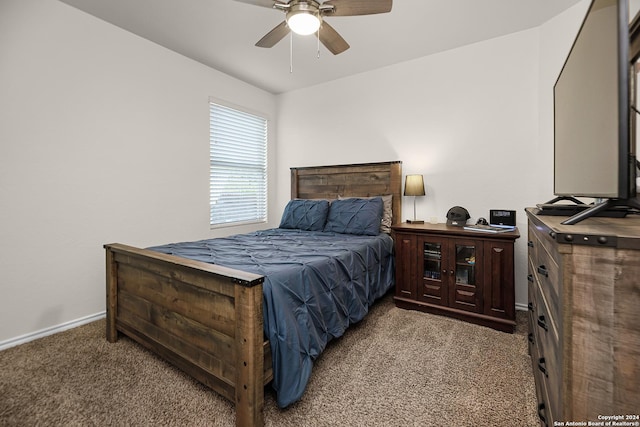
<point>584,317</point>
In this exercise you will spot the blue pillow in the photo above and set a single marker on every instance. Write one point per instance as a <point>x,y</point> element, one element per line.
<point>355,216</point>
<point>309,215</point>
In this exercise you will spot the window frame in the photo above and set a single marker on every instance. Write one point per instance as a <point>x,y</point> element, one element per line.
<point>261,206</point>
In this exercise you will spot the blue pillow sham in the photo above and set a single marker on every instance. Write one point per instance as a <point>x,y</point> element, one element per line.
<point>387,211</point>
<point>355,216</point>
<point>309,215</point>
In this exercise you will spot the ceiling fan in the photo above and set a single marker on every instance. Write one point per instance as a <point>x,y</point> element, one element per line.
<point>307,17</point>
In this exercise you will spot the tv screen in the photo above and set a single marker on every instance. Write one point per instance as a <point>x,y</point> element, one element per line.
<point>592,147</point>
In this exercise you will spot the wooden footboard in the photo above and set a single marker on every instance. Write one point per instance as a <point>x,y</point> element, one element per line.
<point>204,319</point>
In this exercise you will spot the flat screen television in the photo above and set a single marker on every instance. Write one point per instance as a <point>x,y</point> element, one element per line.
<point>593,148</point>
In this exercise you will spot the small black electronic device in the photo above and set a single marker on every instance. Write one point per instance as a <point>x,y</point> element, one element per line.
<point>501,217</point>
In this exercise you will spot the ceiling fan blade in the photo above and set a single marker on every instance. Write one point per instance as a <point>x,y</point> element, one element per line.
<point>332,40</point>
<point>274,36</point>
<point>263,3</point>
<point>358,7</point>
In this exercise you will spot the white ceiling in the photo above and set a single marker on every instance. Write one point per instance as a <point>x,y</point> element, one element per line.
<point>222,34</point>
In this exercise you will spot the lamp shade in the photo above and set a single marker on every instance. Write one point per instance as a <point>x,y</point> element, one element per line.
<point>414,185</point>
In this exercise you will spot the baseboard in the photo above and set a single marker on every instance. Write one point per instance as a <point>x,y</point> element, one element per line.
<point>522,307</point>
<point>50,331</point>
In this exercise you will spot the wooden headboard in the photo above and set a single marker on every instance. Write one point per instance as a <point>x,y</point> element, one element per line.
<point>358,180</point>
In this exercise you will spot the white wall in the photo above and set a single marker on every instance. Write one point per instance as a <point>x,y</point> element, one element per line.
<point>466,119</point>
<point>103,138</point>
<point>634,9</point>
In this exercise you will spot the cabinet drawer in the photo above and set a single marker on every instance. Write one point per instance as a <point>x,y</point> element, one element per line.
<point>545,238</point>
<point>531,291</point>
<point>547,274</point>
<point>545,268</point>
<point>532,242</point>
<point>548,365</point>
<point>545,412</point>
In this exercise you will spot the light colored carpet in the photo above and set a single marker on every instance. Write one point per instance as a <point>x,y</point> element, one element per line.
<point>395,368</point>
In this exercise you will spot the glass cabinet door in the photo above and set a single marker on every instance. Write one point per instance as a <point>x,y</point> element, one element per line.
<point>465,272</point>
<point>465,289</point>
<point>432,261</point>
<point>434,271</point>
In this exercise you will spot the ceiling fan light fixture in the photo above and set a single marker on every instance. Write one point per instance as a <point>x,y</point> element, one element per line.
<point>306,17</point>
<point>302,20</point>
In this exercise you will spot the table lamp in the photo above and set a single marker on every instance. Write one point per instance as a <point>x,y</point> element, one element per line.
<point>414,186</point>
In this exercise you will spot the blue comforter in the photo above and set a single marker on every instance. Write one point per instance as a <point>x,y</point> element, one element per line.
<point>316,285</point>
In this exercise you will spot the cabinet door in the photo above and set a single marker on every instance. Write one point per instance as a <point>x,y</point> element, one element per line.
<point>433,270</point>
<point>406,265</point>
<point>499,300</point>
<point>465,291</point>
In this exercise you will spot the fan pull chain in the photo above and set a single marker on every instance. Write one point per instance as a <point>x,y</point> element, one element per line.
<point>291,53</point>
<point>318,32</point>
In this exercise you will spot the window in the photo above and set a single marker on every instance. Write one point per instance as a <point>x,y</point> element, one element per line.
<point>238,166</point>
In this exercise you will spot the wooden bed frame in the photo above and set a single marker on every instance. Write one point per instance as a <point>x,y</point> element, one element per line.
<point>207,319</point>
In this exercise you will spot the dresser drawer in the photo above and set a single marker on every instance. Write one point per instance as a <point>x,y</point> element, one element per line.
<point>547,274</point>
<point>532,339</point>
<point>546,239</point>
<point>545,412</point>
<point>547,360</point>
<point>532,242</point>
<point>545,268</point>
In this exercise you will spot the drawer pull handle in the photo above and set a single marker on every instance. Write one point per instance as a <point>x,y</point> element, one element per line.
<point>542,322</point>
<point>543,270</point>
<point>543,367</point>
<point>530,337</point>
<point>541,410</point>
<point>530,277</point>
<point>530,306</point>
<point>530,243</point>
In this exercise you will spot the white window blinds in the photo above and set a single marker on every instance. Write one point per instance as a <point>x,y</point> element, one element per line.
<point>238,166</point>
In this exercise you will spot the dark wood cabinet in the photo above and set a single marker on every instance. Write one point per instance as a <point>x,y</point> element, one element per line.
<point>464,274</point>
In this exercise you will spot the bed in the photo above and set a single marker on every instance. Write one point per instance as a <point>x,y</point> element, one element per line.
<point>214,321</point>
